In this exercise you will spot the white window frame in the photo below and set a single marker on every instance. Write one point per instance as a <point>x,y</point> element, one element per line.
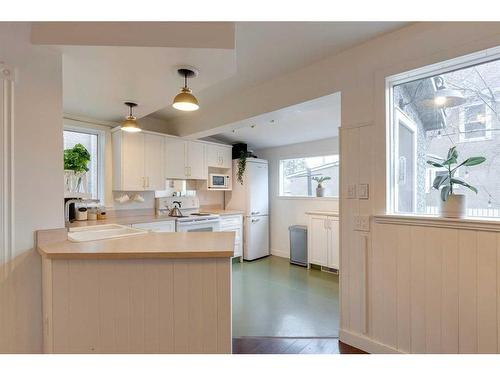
<point>487,123</point>
<point>465,61</point>
<point>400,116</point>
<point>101,141</point>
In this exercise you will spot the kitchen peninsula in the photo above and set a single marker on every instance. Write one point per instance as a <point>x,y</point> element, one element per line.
<point>149,293</point>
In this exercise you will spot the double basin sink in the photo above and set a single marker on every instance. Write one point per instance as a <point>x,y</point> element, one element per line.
<point>102,232</point>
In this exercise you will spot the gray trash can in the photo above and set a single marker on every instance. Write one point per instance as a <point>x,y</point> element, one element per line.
<point>298,244</point>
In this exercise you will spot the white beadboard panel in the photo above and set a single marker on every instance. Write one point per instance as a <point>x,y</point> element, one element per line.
<point>433,290</point>
<point>139,306</point>
<point>467,286</point>
<point>487,335</point>
<point>417,290</point>
<point>449,292</point>
<point>403,287</point>
<point>433,287</point>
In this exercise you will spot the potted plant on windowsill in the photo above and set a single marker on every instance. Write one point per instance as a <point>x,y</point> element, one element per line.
<point>76,160</point>
<point>320,190</point>
<point>453,205</point>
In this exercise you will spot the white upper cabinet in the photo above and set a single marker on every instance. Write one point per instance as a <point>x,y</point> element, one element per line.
<point>154,161</point>
<point>138,162</point>
<point>175,158</point>
<point>185,159</point>
<point>219,156</point>
<point>196,160</point>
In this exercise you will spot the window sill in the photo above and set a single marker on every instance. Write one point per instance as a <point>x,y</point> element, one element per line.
<point>471,223</point>
<point>308,198</point>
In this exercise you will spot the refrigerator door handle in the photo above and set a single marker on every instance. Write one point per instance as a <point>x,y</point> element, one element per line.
<point>255,220</point>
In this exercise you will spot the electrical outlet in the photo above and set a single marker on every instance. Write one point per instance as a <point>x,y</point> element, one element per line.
<point>362,223</point>
<point>363,191</point>
<point>351,191</point>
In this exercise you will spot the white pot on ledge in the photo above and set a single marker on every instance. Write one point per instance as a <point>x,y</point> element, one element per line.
<point>454,207</point>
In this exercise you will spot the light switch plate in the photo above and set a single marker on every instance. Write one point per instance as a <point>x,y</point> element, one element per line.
<point>362,223</point>
<point>363,191</point>
<point>351,191</point>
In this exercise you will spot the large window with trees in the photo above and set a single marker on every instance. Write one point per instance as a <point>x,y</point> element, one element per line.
<point>301,177</point>
<point>444,125</point>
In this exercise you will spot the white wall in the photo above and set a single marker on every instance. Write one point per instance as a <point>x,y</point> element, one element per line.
<point>38,187</point>
<point>369,315</point>
<point>286,211</point>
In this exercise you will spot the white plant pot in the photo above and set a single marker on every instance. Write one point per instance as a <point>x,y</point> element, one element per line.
<point>320,191</point>
<point>454,206</point>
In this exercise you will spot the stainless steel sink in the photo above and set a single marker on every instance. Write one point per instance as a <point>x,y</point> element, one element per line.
<point>102,232</point>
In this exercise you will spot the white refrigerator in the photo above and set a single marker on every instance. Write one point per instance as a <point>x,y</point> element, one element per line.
<point>252,197</point>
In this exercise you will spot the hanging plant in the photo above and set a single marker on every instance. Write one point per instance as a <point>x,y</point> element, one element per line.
<point>242,164</point>
<point>76,159</point>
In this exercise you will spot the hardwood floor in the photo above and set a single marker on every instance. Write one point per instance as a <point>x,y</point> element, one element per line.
<point>273,345</point>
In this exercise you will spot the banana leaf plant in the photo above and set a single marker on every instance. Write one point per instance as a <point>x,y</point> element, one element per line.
<point>446,182</point>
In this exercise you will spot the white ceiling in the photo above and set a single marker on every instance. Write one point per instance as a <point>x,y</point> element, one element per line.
<point>308,121</point>
<point>97,79</point>
<point>268,49</point>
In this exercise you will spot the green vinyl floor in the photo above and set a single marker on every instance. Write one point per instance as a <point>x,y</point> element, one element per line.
<point>272,297</point>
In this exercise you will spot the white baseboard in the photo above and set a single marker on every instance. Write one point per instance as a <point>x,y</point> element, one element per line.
<point>365,343</point>
<point>280,253</point>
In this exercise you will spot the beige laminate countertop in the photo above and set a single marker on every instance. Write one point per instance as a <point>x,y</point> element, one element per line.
<point>148,245</point>
<point>123,217</point>
<point>221,212</point>
<point>323,213</point>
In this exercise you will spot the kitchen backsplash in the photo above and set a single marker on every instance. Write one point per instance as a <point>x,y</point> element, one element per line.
<point>206,198</point>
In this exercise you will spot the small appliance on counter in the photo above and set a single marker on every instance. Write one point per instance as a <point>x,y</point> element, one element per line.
<point>81,213</point>
<point>190,219</point>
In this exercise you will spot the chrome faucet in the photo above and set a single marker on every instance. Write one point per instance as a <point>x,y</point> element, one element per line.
<point>70,201</point>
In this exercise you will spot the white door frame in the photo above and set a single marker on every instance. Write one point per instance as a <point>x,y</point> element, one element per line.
<point>7,77</point>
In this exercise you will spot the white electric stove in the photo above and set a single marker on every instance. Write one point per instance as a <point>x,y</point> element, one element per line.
<point>192,220</point>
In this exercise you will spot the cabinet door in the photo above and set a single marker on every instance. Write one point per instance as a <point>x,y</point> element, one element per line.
<point>333,244</point>
<point>196,165</point>
<point>226,156</point>
<point>154,162</point>
<point>213,156</point>
<point>318,241</point>
<point>132,161</point>
<point>159,226</point>
<point>175,158</point>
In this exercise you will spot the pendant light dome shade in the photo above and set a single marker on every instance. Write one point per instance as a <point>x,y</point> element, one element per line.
<point>449,98</point>
<point>130,124</point>
<point>185,100</point>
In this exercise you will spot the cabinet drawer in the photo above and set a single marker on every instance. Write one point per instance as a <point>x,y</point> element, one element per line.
<point>231,221</point>
<point>157,226</point>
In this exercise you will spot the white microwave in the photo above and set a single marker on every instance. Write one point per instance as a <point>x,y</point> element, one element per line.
<point>218,181</point>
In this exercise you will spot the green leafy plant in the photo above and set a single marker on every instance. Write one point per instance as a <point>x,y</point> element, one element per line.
<point>242,164</point>
<point>321,179</point>
<point>446,182</point>
<point>76,159</point>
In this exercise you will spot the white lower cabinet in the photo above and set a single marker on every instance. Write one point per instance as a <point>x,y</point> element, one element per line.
<point>323,241</point>
<point>157,226</point>
<point>234,223</point>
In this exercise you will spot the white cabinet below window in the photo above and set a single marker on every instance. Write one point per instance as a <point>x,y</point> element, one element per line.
<point>323,241</point>
<point>219,156</point>
<point>138,162</point>
<point>185,159</point>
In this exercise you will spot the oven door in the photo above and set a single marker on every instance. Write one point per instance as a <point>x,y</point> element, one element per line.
<point>208,225</point>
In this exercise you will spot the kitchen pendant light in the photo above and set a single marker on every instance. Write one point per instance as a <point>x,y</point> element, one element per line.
<point>130,124</point>
<point>185,100</point>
